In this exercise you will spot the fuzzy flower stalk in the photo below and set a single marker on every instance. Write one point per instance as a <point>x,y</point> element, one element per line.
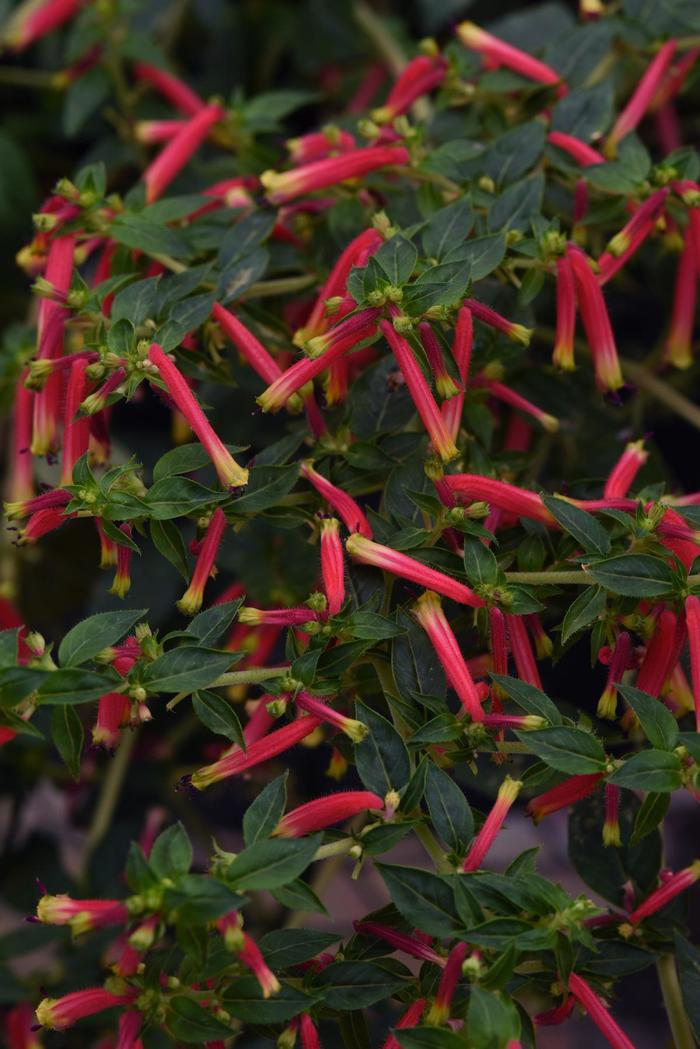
<point>488,316</point>
<point>507,793</point>
<point>692,620</point>
<point>429,614</point>
<point>332,565</point>
<point>249,954</point>
<point>230,473</point>
<point>250,348</point>
<point>171,88</point>
<point>324,812</point>
<point>344,505</point>
<point>378,556</point>
<point>462,346</point>
<point>422,75</point>
<point>285,186</point>
<point>191,600</point>
<point>409,943</point>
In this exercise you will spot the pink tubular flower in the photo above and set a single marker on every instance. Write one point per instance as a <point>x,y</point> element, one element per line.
<point>596,323</point>
<point>230,473</point>
<point>563,353</point>
<point>261,750</point>
<point>332,564</point>
<point>422,75</point>
<point>672,887</point>
<point>439,1012</point>
<point>409,1019</point>
<point>673,83</point>
<point>543,642</point>
<point>130,1023</point>
<point>76,432</point>
<point>503,393</point>
<point>329,348</point>
<point>95,402</point>
<point>112,713</point>
<point>344,505</point>
<point>191,600</point>
<point>276,616</point>
<point>621,659</point>
<point>35,19</point>
<point>642,97</point>
<point>429,614</point>
<point>497,53</point>
<point>560,1013</point>
<point>319,144</point>
<point>108,548</point>
<point>324,812</point>
<point>678,349</point>
<point>20,1028</point>
<point>41,523</point>
<point>500,494</point>
<point>400,941</point>
<point>353,729</point>
<point>516,332</point>
<point>170,87</point>
<point>611,823</point>
<point>81,915</point>
<point>627,242</point>
<point>172,159</point>
<point>308,1032</point>
<point>625,470</point>
<point>584,155</point>
<point>692,618</point>
<point>499,643</point>
<point>21,467</point>
<point>661,655</point>
<point>444,383</point>
<point>421,395</point>
<point>369,553</point>
<point>521,722</point>
<point>121,584</point>
<point>54,498</point>
<point>462,353</point>
<point>50,327</point>
<point>155,132</point>
<point>59,1013</point>
<point>507,793</point>
<point>251,956</point>
<point>247,345</point>
<point>284,186</point>
<point>573,789</point>
<point>598,1012</point>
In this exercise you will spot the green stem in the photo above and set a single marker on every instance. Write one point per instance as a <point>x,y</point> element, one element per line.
<point>384,43</point>
<point>578,578</point>
<point>673,1002</point>
<point>661,390</point>
<point>254,676</point>
<point>38,78</point>
<point>425,836</point>
<point>264,289</point>
<point>109,796</point>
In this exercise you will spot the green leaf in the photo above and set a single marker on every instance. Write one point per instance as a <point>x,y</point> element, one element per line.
<point>483,254</point>
<point>264,112</point>
<point>267,485</point>
<point>267,809</point>
<point>653,770</point>
<point>68,735</point>
<point>588,606</point>
<point>355,985</point>
<point>171,854</point>
<point>8,647</point>
<point>142,234</point>
<point>197,898</point>
<point>447,228</point>
<point>370,626</point>
<point>517,205</point>
<point>442,285</point>
<point>688,962</point>
<point>492,1019</point>
<point>579,523</point>
<point>397,257</point>
<point>16,683</point>
<point>185,669</point>
<point>212,623</point>
<point>658,724</point>
<point>633,575</point>
<point>651,813</point>
<point>585,112</point>
<point>424,899</point>
<point>218,715</point>
<point>569,750</point>
<point>382,760</point>
<point>92,635</point>
<point>285,947</point>
<point>178,496</point>
<point>414,661</point>
<point>84,97</point>
<point>184,459</point>
<point>184,317</point>
<point>138,302</point>
<point>120,338</point>
<point>480,565</point>
<point>246,235</point>
<point>238,275</point>
<point>531,699</point>
<point>296,895</point>
<point>449,809</point>
<point>190,1023</point>
<point>168,541</point>
<point>270,863</point>
<point>428,1038</point>
<point>74,685</point>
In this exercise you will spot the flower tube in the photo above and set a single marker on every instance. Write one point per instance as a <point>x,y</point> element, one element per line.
<point>76,432</point>
<point>678,349</point>
<point>625,243</point>
<point>573,789</point>
<point>498,53</point>
<point>400,941</point>
<point>269,746</point>
<point>462,352</point>
<point>20,465</point>
<point>173,158</point>
<point>155,132</point>
<point>112,713</point>
<point>515,332</point>
<point>444,383</point>
<point>59,1013</point>
<point>409,1019</point>
<point>625,470</point>
<point>81,915</point>
<point>504,393</point>
<point>332,564</point>
<point>369,553</point>
<point>32,20</point>
<point>344,505</point>
<point>321,174</point>
<point>563,353</point>
<point>276,616</point>
<point>584,155</point>
<point>620,662</point>
<point>173,89</point>
<point>50,329</point>
<point>422,75</point>
<point>598,1012</point>
<point>596,323</point>
<point>642,97</point>
<point>324,812</point>
<point>247,345</point>
<point>502,495</point>
<point>611,823</point>
<point>519,722</point>
<point>429,614</point>
<point>660,656</point>
<point>230,473</point>
<point>507,793</point>
<point>439,1012</point>
<point>692,618</point>
<point>661,897</point>
<point>353,729</point>
<point>191,600</point>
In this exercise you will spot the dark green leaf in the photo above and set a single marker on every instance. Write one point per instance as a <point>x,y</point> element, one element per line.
<point>185,669</point>
<point>653,770</point>
<point>68,735</point>
<point>355,985</point>
<point>171,853</point>
<point>209,626</point>
<point>273,862</point>
<point>589,605</point>
<point>688,962</point>
<point>658,724</point>
<point>531,699</point>
<point>424,899</point>
<point>569,750</point>
<point>382,760</point>
<point>266,810</point>
<point>218,715</point>
<point>447,228</point>
<point>579,523</point>
<point>168,541</point>
<point>449,809</point>
<point>633,575</point>
<point>92,635</point>
<point>267,485</point>
<point>651,812</point>
<point>190,1023</point>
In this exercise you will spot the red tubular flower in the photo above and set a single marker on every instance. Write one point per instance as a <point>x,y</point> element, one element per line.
<point>173,158</point>
<point>498,53</point>
<point>108,548</point>
<point>677,536</point>
<point>504,393</point>
<point>499,644</point>
<point>563,353</point>
<point>598,1012</point>
<point>40,524</point>
<point>580,208</point>
<point>191,600</point>
<point>678,349</point>
<point>319,144</point>
<point>76,432</point>
<point>642,97</point>
<point>558,1015</point>
<point>444,383</point>
<point>324,812</point>
<point>343,504</point>
<point>276,616</point>
<point>21,467</point>
<point>573,789</point>
<point>130,1023</point>
<point>409,1019</point>
<point>50,327</point>
<point>54,498</point>
<point>596,323</point>
<point>371,81</point>
<point>121,584</point>
<point>661,897</point>
<point>507,793</point>
<point>500,494</point>
<point>462,352</point>
<point>112,713</point>
<point>332,565</point>
<point>611,824</point>
<point>19,1028</point>
<point>439,1012</point>
<point>95,402</point>
<point>308,1032</point>
<point>261,750</point>
<point>692,618</point>
<point>422,75</point>
<point>621,661</point>
<point>59,1013</point>
<point>155,132</point>
<point>33,20</point>
<point>628,241</point>
<point>353,729</point>
<point>661,654</point>
<point>251,956</point>
<point>284,186</point>
<point>429,614</point>
<point>521,722</point>
<point>81,915</point>
<point>673,83</point>
<point>584,155</point>
<point>230,473</point>
<point>170,87</point>
<point>516,332</point>
<point>401,941</point>
<point>369,553</point>
<point>420,392</point>
<point>247,345</point>
<point>625,470</point>
<point>543,643</point>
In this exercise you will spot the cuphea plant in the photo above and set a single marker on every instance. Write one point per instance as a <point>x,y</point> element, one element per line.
<point>407,498</point>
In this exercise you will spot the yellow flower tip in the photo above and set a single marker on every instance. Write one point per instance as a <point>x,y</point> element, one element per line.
<point>607,705</point>
<point>382,115</point>
<point>470,34</point>
<point>250,616</point>
<point>509,790</point>
<point>190,602</point>
<point>446,387</point>
<point>679,355</point>
<point>45,1013</point>
<point>270,179</point>
<point>437,1015</point>
<point>618,244</point>
<point>300,337</point>
<point>316,346</point>
<point>355,730</point>
<point>121,586</point>
<point>519,333</point>
<point>611,835</point>
<point>549,422</point>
